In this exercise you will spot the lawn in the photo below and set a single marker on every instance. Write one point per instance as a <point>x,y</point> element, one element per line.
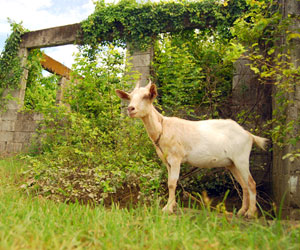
<point>31,222</point>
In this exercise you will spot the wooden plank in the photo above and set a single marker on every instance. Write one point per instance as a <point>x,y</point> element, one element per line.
<point>55,67</point>
<point>62,35</point>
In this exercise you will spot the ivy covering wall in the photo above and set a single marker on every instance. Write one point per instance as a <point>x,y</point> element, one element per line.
<point>138,23</point>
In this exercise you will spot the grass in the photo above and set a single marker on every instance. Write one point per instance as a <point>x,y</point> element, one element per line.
<point>28,222</point>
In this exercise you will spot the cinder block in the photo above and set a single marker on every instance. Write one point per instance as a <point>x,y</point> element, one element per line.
<point>141,60</point>
<point>38,117</point>
<point>22,137</point>
<point>7,125</point>
<point>145,74</point>
<point>2,147</point>
<point>241,67</point>
<point>25,126</point>
<point>25,116</point>
<point>9,115</point>
<point>14,147</point>
<point>6,136</point>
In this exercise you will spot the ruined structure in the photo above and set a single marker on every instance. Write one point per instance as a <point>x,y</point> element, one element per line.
<point>282,179</point>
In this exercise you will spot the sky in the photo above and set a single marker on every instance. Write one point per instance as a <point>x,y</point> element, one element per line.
<point>41,14</point>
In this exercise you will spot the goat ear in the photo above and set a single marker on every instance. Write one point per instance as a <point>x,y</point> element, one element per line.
<point>152,91</point>
<point>122,94</point>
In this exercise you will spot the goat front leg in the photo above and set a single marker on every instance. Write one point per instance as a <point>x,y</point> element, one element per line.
<point>173,175</point>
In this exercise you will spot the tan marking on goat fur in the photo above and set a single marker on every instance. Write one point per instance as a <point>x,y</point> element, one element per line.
<point>246,199</point>
<point>252,184</point>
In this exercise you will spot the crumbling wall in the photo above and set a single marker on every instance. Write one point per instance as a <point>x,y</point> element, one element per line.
<point>254,100</point>
<point>16,130</point>
<point>286,172</point>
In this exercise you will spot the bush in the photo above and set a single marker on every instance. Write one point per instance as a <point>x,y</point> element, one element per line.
<point>86,164</point>
<point>192,73</point>
<point>93,152</point>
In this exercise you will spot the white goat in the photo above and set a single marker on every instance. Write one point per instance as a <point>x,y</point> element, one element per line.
<point>206,144</point>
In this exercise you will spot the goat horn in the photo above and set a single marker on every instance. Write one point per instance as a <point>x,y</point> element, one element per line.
<point>138,84</point>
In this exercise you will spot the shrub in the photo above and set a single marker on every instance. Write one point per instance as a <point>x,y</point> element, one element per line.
<point>92,152</point>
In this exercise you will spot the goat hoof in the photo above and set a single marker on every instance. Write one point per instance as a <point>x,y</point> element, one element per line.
<point>250,214</point>
<point>241,212</point>
<point>168,208</point>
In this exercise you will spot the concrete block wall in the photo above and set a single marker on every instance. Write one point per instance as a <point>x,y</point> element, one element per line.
<point>141,62</point>
<point>253,98</point>
<point>16,130</point>
<point>286,172</point>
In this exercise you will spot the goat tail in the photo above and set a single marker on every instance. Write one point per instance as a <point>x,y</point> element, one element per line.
<point>260,141</point>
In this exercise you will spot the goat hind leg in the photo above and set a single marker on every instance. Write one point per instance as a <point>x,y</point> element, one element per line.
<point>245,203</point>
<point>249,188</point>
<point>252,190</point>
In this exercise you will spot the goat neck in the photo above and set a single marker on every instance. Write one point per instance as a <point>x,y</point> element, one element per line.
<point>153,124</point>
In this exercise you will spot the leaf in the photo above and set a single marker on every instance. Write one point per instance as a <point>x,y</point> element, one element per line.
<point>293,36</point>
<point>255,69</point>
<point>271,51</point>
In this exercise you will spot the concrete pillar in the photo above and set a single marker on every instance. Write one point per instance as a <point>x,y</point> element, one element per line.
<point>286,173</point>
<point>60,90</point>
<point>15,131</point>
<point>18,94</point>
<point>141,63</point>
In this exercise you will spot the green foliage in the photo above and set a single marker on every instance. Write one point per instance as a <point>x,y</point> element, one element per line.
<point>89,153</point>
<point>193,74</point>
<point>86,164</point>
<point>130,21</point>
<point>215,182</point>
<point>40,92</point>
<point>10,64</point>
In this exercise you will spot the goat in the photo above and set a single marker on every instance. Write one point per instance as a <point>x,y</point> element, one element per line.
<point>204,144</point>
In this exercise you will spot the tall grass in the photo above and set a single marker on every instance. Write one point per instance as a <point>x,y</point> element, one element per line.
<point>28,222</point>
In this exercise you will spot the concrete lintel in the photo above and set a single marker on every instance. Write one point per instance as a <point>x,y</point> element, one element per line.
<point>51,37</point>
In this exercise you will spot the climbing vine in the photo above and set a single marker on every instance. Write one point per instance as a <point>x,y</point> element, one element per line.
<point>138,23</point>
<point>10,64</point>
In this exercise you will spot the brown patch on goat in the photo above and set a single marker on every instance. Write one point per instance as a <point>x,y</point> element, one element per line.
<point>252,184</point>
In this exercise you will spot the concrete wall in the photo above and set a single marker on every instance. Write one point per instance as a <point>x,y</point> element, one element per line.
<point>16,131</point>
<point>254,100</point>
<point>286,173</point>
<point>16,128</point>
<point>141,62</point>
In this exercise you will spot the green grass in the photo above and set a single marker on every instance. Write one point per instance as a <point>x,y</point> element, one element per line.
<point>28,222</point>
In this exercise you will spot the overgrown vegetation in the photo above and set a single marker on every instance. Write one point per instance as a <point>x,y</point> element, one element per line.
<point>193,74</point>
<point>41,90</point>
<point>87,151</point>
<point>137,23</point>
